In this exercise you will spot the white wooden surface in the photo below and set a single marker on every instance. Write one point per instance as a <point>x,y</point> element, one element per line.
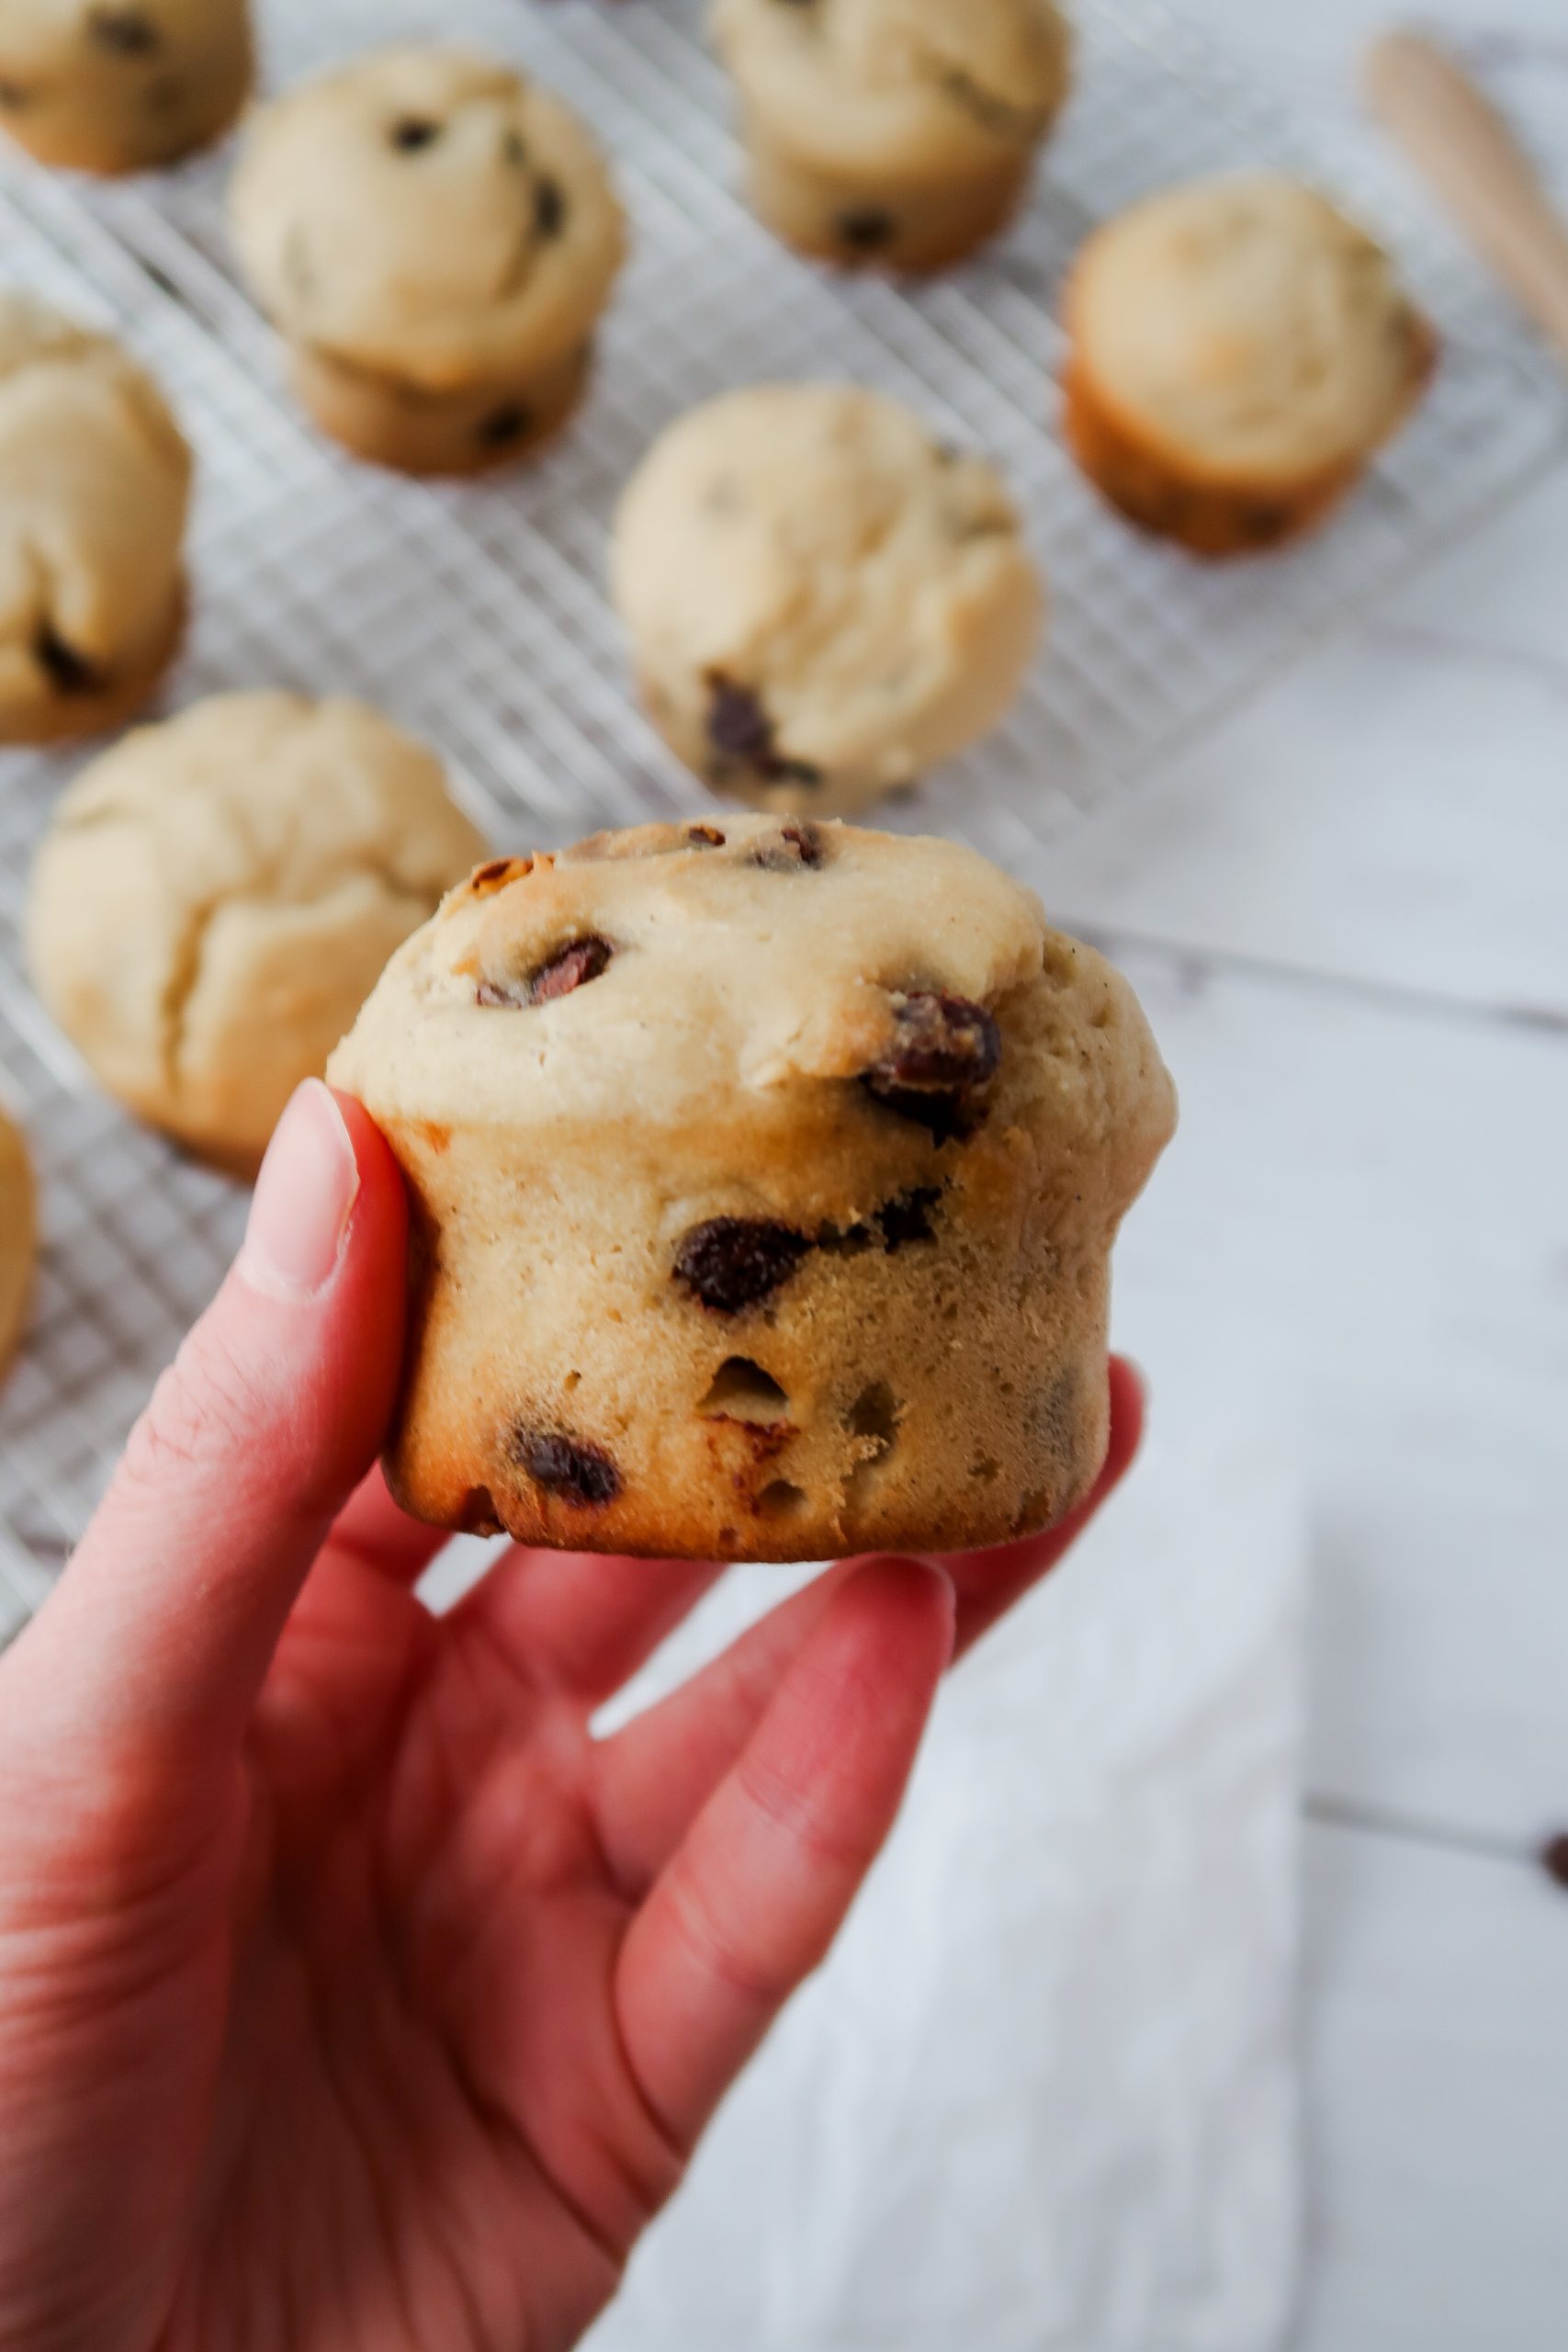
<point>1347,913</point>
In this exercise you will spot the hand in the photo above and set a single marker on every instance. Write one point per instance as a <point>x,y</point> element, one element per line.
<point>351,1993</point>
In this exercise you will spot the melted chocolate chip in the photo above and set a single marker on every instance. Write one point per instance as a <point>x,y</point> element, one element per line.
<point>570,967</point>
<point>737,722</point>
<point>866,230</point>
<point>739,728</point>
<point>413,132</point>
<point>705,837</point>
<point>508,423</point>
<point>70,673</point>
<point>944,1052</point>
<point>125,32</point>
<point>786,850</point>
<point>732,1262</point>
<point>568,1466</point>
<point>908,1217</point>
<point>549,207</point>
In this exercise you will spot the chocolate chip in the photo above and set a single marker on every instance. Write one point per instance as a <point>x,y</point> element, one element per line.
<point>413,131</point>
<point>705,837</point>
<point>739,726</point>
<point>786,850</point>
<point>731,1262</point>
<point>737,722</point>
<point>570,967</point>
<point>508,423</point>
<point>908,1217</point>
<point>126,32</point>
<point>944,1052</point>
<point>69,671</point>
<point>866,230</point>
<point>1554,1858</point>
<point>549,207</point>
<point>568,1466</point>
<point>14,96</point>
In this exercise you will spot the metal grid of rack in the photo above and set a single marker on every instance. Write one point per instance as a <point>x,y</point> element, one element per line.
<point>476,614</point>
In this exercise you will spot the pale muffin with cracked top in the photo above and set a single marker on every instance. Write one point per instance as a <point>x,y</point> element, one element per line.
<point>217,895</point>
<point>435,235</point>
<point>900,132</point>
<point>824,599</point>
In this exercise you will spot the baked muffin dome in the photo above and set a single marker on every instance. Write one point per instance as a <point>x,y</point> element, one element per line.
<point>764,1176</point>
<point>120,85</point>
<point>94,486</point>
<point>435,237</point>
<point>19,1236</point>
<point>1240,351</point>
<point>823,601</point>
<point>217,896</point>
<point>899,131</point>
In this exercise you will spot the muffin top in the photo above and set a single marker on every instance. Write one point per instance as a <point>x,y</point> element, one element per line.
<point>17,1233</point>
<point>782,1003</point>
<point>125,47</point>
<point>1247,326</point>
<point>427,214</point>
<point>837,586</point>
<point>218,893</point>
<point>94,483</point>
<point>908,87</point>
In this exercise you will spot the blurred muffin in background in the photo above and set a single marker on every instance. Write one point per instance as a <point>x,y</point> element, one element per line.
<point>1240,351</point>
<point>435,238</point>
<point>94,486</point>
<point>902,132</point>
<point>19,1236</point>
<point>122,85</point>
<point>823,601</point>
<point>216,897</point>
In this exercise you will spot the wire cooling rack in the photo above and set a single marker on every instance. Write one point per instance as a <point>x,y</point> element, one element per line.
<point>477,616</point>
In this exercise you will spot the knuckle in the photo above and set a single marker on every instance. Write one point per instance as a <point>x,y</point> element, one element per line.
<point>204,1410</point>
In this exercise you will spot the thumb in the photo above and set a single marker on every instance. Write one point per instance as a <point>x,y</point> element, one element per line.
<point>159,1634</point>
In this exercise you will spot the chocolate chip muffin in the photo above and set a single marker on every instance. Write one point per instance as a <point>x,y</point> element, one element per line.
<point>121,85</point>
<point>435,238</point>
<point>1239,352</point>
<point>902,132</point>
<point>217,895</point>
<point>19,1236</point>
<point>823,600</point>
<point>94,484</point>
<point>764,1175</point>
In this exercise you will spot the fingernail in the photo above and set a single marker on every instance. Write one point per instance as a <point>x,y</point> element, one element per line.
<point>304,1198</point>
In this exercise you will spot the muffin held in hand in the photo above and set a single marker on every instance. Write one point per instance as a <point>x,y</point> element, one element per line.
<point>217,896</point>
<point>895,131</point>
<point>18,1237</point>
<point>120,85</point>
<point>823,602</point>
<point>764,1176</point>
<point>94,484</point>
<point>1240,351</point>
<point>435,238</point>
